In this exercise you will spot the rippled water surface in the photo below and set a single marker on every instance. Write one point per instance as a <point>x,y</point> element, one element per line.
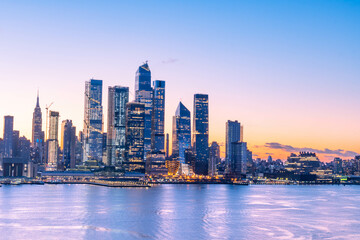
<point>180,212</point>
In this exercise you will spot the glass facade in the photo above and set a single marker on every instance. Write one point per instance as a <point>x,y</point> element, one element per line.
<point>68,140</point>
<point>118,97</point>
<point>135,122</point>
<point>181,138</point>
<point>158,117</point>
<point>8,136</point>
<point>93,122</point>
<point>233,134</point>
<point>144,94</point>
<point>201,133</point>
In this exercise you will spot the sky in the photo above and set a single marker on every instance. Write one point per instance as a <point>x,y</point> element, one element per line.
<point>287,70</point>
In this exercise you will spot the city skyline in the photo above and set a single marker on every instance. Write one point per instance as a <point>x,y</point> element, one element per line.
<point>287,99</point>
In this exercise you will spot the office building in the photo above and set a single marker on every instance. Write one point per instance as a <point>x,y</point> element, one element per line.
<point>144,94</point>
<point>158,117</point>
<point>8,136</point>
<point>68,140</point>
<point>200,140</point>
<point>134,137</point>
<point>214,158</point>
<point>93,123</point>
<point>181,138</point>
<point>233,134</point>
<point>238,158</point>
<point>118,97</point>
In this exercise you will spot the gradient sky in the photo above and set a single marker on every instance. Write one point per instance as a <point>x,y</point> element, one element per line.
<point>289,71</point>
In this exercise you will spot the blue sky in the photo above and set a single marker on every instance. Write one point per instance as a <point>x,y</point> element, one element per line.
<point>288,70</point>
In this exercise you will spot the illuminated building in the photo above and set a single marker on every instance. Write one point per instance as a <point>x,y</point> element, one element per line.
<point>214,158</point>
<point>158,117</point>
<point>167,145</point>
<point>118,97</point>
<point>134,154</point>
<point>155,164</point>
<point>144,94</point>
<point>8,136</point>
<point>233,134</point>
<point>200,140</point>
<point>93,123</point>
<point>68,140</point>
<point>173,167</point>
<point>52,142</point>
<point>304,163</point>
<point>338,168</point>
<point>181,138</point>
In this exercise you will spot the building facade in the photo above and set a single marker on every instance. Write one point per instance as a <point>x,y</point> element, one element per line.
<point>181,138</point>
<point>144,94</point>
<point>200,140</point>
<point>68,140</point>
<point>93,123</point>
<point>52,142</point>
<point>135,122</point>
<point>158,117</point>
<point>214,158</point>
<point>118,97</point>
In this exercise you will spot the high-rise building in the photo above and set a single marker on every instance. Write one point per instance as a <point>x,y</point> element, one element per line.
<point>158,117</point>
<point>167,146</point>
<point>15,143</point>
<point>144,94</point>
<point>8,136</point>
<point>52,142</point>
<point>37,139</point>
<point>135,122</point>
<point>181,138</point>
<point>238,156</point>
<point>200,138</point>
<point>68,140</point>
<point>118,97</point>
<point>93,123</point>
<point>214,158</point>
<point>233,134</point>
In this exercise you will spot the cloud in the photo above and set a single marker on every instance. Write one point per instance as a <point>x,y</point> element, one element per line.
<point>170,60</point>
<point>289,148</point>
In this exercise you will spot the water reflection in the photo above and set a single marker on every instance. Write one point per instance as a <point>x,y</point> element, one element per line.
<point>180,212</point>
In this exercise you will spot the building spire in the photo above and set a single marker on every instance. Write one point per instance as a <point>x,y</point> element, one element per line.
<point>37,100</point>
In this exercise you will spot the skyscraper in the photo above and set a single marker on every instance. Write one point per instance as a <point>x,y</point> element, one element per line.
<point>233,134</point>
<point>68,139</point>
<point>8,136</point>
<point>201,133</point>
<point>214,158</point>
<point>158,117</point>
<point>52,141</point>
<point>181,138</point>
<point>93,123</point>
<point>118,97</point>
<point>37,133</point>
<point>238,156</point>
<point>144,94</point>
<point>135,122</point>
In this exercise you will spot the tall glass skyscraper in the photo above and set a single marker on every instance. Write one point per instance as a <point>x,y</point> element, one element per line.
<point>118,97</point>
<point>200,138</point>
<point>135,122</point>
<point>8,136</point>
<point>52,142</point>
<point>181,138</point>
<point>144,94</point>
<point>68,140</point>
<point>158,117</point>
<point>93,122</point>
<point>233,134</point>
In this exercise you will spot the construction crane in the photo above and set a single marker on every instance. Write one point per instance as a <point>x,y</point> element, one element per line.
<point>47,117</point>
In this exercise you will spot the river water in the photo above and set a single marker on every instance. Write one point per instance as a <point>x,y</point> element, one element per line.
<point>180,212</point>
